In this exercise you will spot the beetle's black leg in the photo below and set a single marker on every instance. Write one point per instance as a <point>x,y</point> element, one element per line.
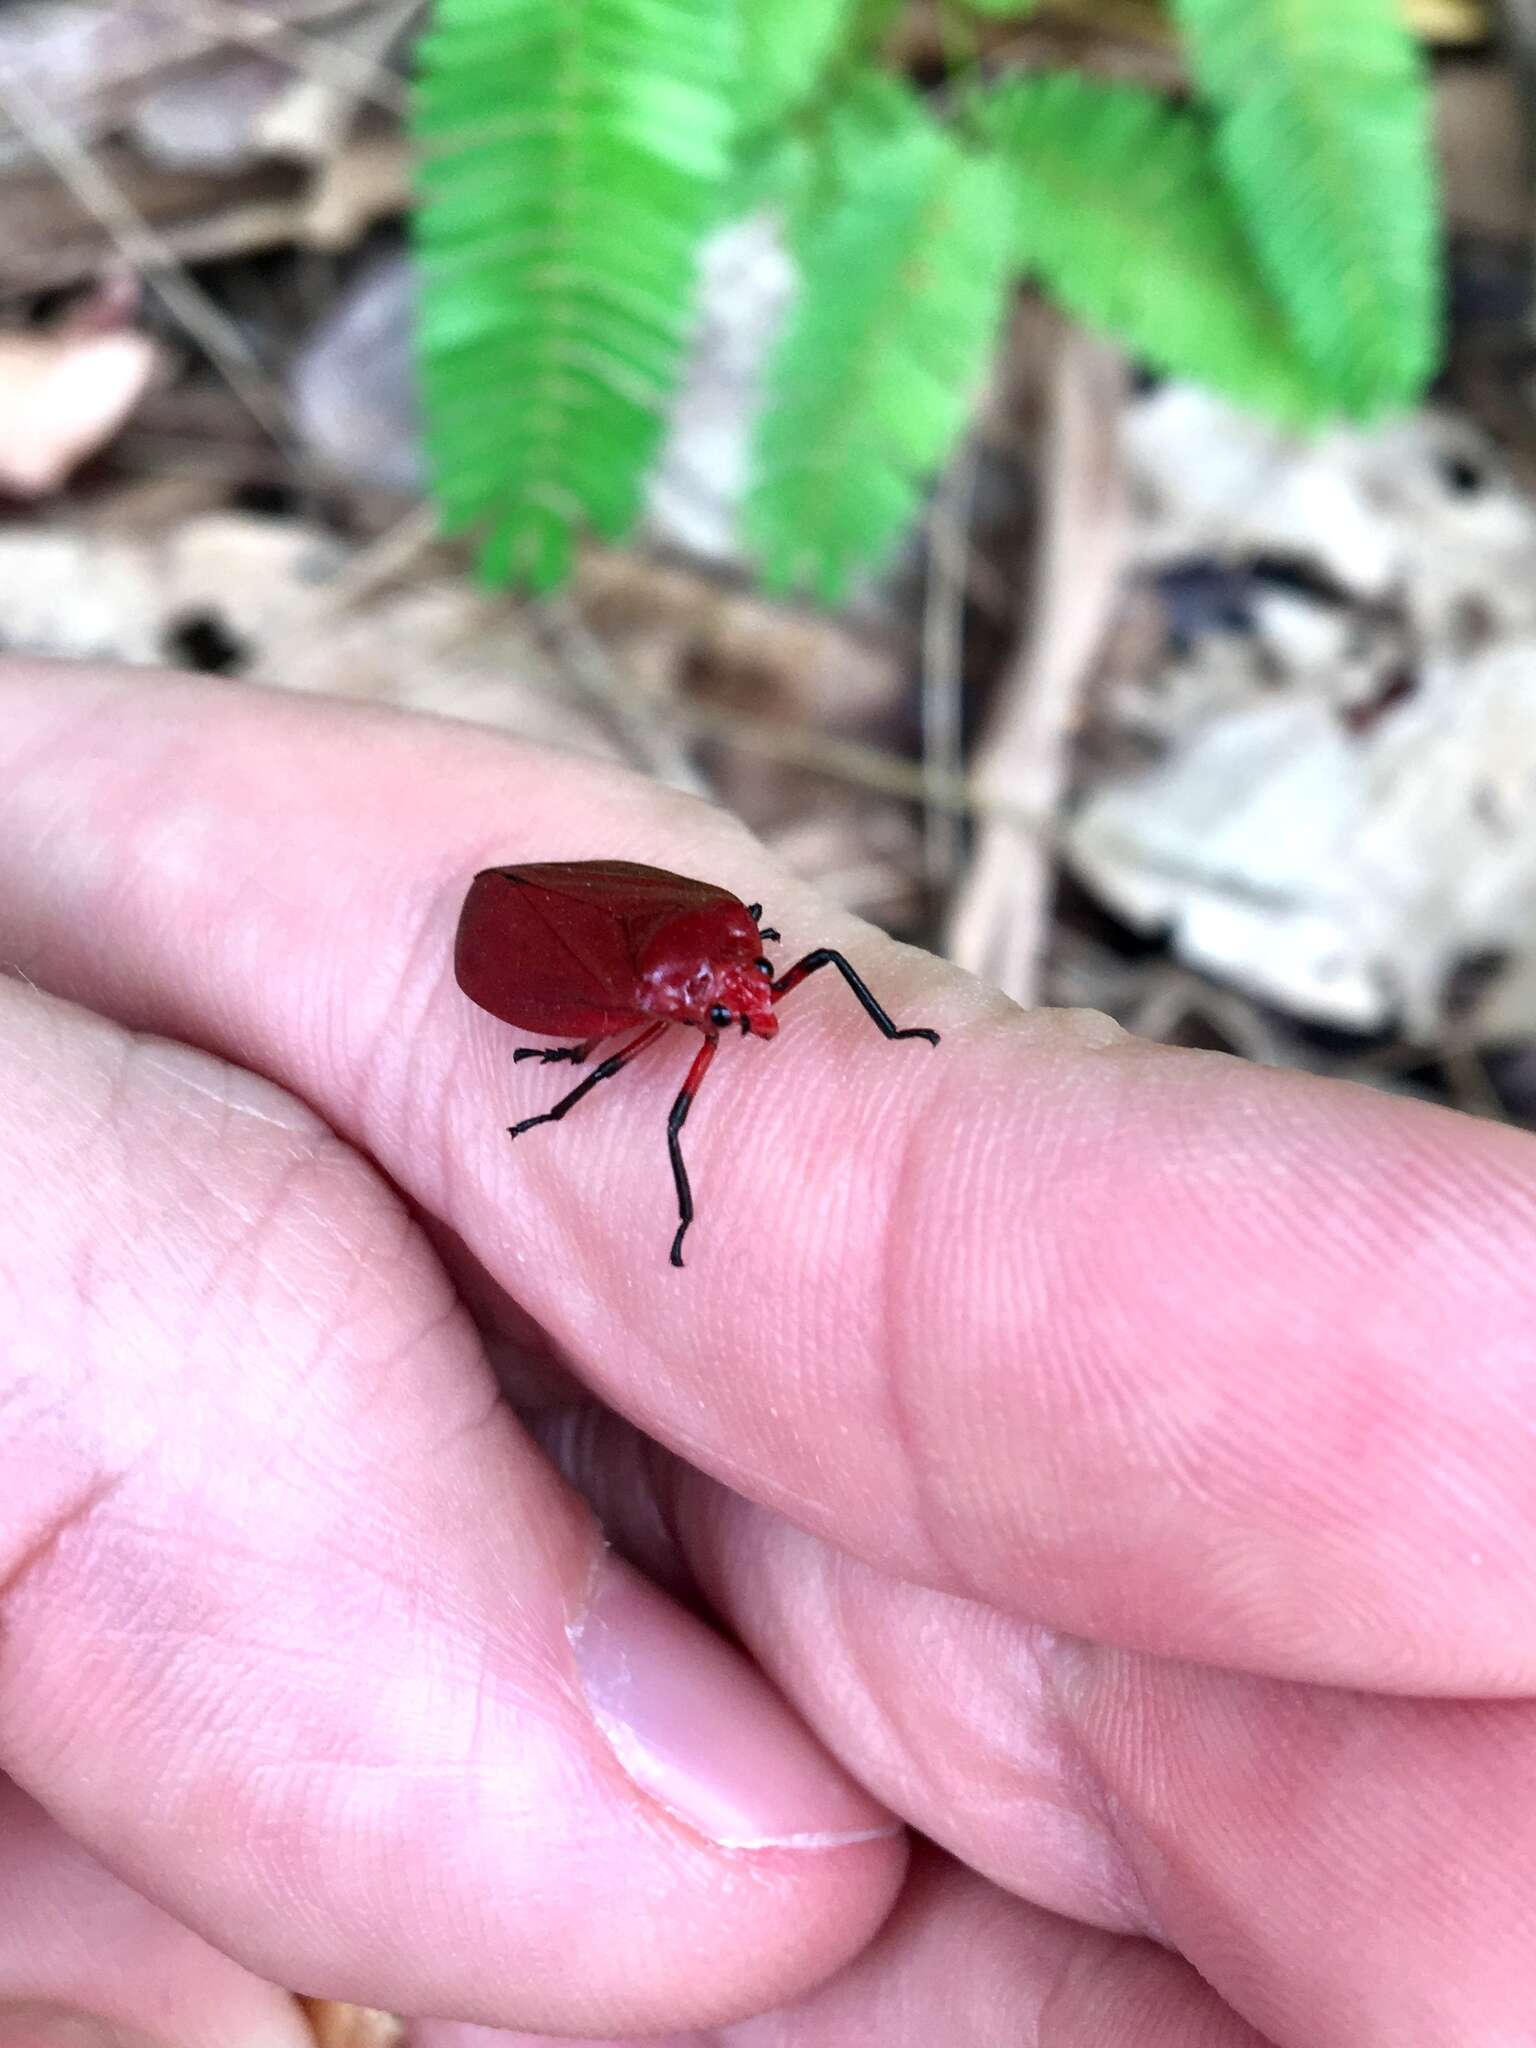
<point>604,1072</point>
<point>755,912</point>
<point>767,933</point>
<point>825,957</point>
<point>675,1123</point>
<point>574,1053</point>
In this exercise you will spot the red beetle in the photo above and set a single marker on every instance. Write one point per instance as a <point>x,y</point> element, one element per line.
<point>587,948</point>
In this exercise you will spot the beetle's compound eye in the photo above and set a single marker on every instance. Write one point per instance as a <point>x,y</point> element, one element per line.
<point>764,967</point>
<point>719,1014</point>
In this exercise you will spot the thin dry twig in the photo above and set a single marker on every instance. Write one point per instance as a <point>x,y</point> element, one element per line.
<point>817,752</point>
<point>584,661</point>
<point>1460,1059</point>
<point>820,753</point>
<point>199,217</point>
<point>1470,1085</point>
<point>863,767</point>
<point>325,110</point>
<point>148,252</point>
<point>1517,30</point>
<point>358,73</point>
<point>943,667</point>
<point>383,560</point>
<point>1170,996</point>
<point>1000,921</point>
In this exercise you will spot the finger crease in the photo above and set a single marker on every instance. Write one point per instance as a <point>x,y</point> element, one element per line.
<point>36,1553</point>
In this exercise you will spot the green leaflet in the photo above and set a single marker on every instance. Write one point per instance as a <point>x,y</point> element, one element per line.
<point>902,281</point>
<point>1119,207</point>
<point>824,98</point>
<point>1323,132</point>
<point>817,160</point>
<point>784,46</point>
<point>570,158</point>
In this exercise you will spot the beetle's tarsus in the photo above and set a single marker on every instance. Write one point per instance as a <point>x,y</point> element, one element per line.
<point>615,1063</point>
<point>574,1053</point>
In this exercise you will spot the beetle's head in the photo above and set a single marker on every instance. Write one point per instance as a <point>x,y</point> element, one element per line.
<point>715,977</point>
<point>740,995</point>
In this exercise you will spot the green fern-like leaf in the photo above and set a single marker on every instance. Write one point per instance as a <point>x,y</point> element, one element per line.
<point>571,156</point>
<point>1323,131</point>
<point>1119,208</point>
<point>902,279</point>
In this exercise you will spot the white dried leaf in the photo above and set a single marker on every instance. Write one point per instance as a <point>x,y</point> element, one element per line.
<point>1420,513</point>
<point>1341,875</point>
<point>63,395</point>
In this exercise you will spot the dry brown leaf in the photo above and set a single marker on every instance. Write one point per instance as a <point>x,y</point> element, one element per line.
<point>206,117</point>
<point>63,396</point>
<point>91,60</point>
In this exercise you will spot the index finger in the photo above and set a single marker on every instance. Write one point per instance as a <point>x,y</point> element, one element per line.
<point>1150,1346</point>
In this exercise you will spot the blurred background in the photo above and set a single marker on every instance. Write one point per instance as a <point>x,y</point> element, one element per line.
<point>1062,472</point>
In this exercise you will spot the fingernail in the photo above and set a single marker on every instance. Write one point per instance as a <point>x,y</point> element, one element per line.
<point>704,1733</point>
<point>52,2026</point>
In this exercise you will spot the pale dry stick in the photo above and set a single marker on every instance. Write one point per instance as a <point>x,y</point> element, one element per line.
<point>399,548</point>
<point>820,753</point>
<point>1000,920</point>
<point>384,560</point>
<point>147,251</point>
<point>582,658</point>
<point>943,667</point>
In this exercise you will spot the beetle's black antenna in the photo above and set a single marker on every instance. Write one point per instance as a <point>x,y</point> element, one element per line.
<point>825,957</point>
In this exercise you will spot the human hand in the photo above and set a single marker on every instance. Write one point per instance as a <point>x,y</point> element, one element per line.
<point>1121,1460</point>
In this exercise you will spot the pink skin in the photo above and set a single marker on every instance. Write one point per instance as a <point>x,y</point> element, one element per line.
<point>1119,1463</point>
